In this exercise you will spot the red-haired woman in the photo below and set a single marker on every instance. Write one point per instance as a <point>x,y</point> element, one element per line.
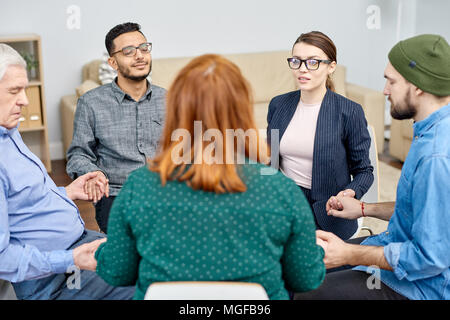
<point>198,213</point>
<point>323,138</point>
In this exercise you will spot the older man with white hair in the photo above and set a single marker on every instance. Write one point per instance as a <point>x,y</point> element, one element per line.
<point>43,241</point>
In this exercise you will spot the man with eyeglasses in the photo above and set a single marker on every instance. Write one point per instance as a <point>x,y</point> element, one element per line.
<point>117,126</point>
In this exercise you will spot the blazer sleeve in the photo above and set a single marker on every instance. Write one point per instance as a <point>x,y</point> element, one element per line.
<point>357,141</point>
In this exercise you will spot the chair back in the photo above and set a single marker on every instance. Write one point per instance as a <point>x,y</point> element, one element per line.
<point>205,290</point>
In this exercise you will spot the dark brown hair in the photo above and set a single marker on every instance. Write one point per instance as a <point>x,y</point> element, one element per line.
<point>323,42</point>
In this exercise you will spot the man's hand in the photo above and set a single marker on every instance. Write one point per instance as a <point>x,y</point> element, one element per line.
<point>84,255</point>
<point>333,203</point>
<point>96,187</point>
<point>76,190</point>
<point>350,208</point>
<point>339,253</point>
<point>336,250</point>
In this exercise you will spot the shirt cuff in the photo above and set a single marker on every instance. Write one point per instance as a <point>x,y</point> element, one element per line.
<point>61,260</point>
<point>63,190</point>
<point>392,255</point>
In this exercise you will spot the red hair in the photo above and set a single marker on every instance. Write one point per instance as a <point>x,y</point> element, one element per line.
<point>210,89</point>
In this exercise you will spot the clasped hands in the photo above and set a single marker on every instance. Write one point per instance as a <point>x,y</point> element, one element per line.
<point>343,205</point>
<point>91,186</point>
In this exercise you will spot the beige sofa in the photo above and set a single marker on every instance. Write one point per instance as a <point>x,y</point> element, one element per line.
<point>401,138</point>
<point>268,74</point>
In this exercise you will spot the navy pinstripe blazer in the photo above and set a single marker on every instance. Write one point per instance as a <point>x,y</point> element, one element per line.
<point>341,151</point>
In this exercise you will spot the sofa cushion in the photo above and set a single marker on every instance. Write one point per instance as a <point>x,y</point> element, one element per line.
<point>90,71</point>
<point>85,87</point>
<point>268,73</point>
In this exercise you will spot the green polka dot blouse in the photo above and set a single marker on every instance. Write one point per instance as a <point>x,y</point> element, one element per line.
<point>174,233</point>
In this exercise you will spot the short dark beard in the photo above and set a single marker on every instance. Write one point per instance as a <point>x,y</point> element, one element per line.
<point>126,75</point>
<point>410,111</point>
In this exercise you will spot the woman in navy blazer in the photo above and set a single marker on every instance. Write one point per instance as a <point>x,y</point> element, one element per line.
<point>339,147</point>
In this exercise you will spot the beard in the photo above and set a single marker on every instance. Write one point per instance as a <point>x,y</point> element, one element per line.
<point>125,72</point>
<point>404,110</point>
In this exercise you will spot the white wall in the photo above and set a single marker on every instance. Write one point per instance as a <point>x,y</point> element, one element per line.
<point>185,28</point>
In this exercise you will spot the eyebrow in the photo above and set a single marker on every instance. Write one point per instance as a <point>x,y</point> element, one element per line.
<point>310,57</point>
<point>17,88</point>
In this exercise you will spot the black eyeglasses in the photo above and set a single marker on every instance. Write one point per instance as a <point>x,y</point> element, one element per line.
<point>131,50</point>
<point>311,64</point>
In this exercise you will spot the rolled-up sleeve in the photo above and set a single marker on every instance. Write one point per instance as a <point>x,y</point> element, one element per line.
<point>427,253</point>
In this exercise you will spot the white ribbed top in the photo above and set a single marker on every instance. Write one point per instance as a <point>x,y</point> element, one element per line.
<point>297,144</point>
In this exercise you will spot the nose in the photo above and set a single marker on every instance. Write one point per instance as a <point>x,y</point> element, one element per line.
<point>138,54</point>
<point>23,99</point>
<point>386,90</point>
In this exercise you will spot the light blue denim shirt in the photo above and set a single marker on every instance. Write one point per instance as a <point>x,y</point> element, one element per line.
<point>37,219</point>
<point>417,241</point>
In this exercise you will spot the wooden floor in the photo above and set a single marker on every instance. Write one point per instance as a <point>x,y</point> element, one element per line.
<point>87,210</point>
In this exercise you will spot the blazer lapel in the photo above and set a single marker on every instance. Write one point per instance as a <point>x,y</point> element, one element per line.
<point>326,131</point>
<point>287,112</point>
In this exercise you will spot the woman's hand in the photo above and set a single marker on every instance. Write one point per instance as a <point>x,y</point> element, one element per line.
<point>334,203</point>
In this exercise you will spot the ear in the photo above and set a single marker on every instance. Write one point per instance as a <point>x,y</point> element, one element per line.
<point>419,92</point>
<point>416,91</point>
<point>331,67</point>
<point>113,63</point>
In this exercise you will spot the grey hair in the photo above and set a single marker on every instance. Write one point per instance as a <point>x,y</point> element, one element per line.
<point>9,57</point>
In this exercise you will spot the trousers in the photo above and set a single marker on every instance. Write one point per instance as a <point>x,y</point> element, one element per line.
<point>78,285</point>
<point>102,209</point>
<point>343,283</point>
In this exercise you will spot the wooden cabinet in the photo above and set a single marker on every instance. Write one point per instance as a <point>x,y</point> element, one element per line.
<point>33,123</point>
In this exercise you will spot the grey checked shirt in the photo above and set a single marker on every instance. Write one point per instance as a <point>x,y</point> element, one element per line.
<point>115,134</point>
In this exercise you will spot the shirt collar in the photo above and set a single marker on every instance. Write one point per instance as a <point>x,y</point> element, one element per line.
<point>422,126</point>
<point>4,131</point>
<point>120,95</point>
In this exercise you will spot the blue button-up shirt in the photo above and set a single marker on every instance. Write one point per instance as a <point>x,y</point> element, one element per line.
<point>37,219</point>
<point>417,241</point>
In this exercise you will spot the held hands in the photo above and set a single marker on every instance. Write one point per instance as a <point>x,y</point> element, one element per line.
<point>336,250</point>
<point>96,187</point>
<point>84,255</point>
<point>344,205</point>
<point>90,186</point>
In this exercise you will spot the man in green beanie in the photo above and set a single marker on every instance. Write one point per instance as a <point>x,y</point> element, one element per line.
<point>411,260</point>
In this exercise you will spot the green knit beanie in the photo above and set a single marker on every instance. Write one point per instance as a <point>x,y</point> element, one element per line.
<point>424,61</point>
